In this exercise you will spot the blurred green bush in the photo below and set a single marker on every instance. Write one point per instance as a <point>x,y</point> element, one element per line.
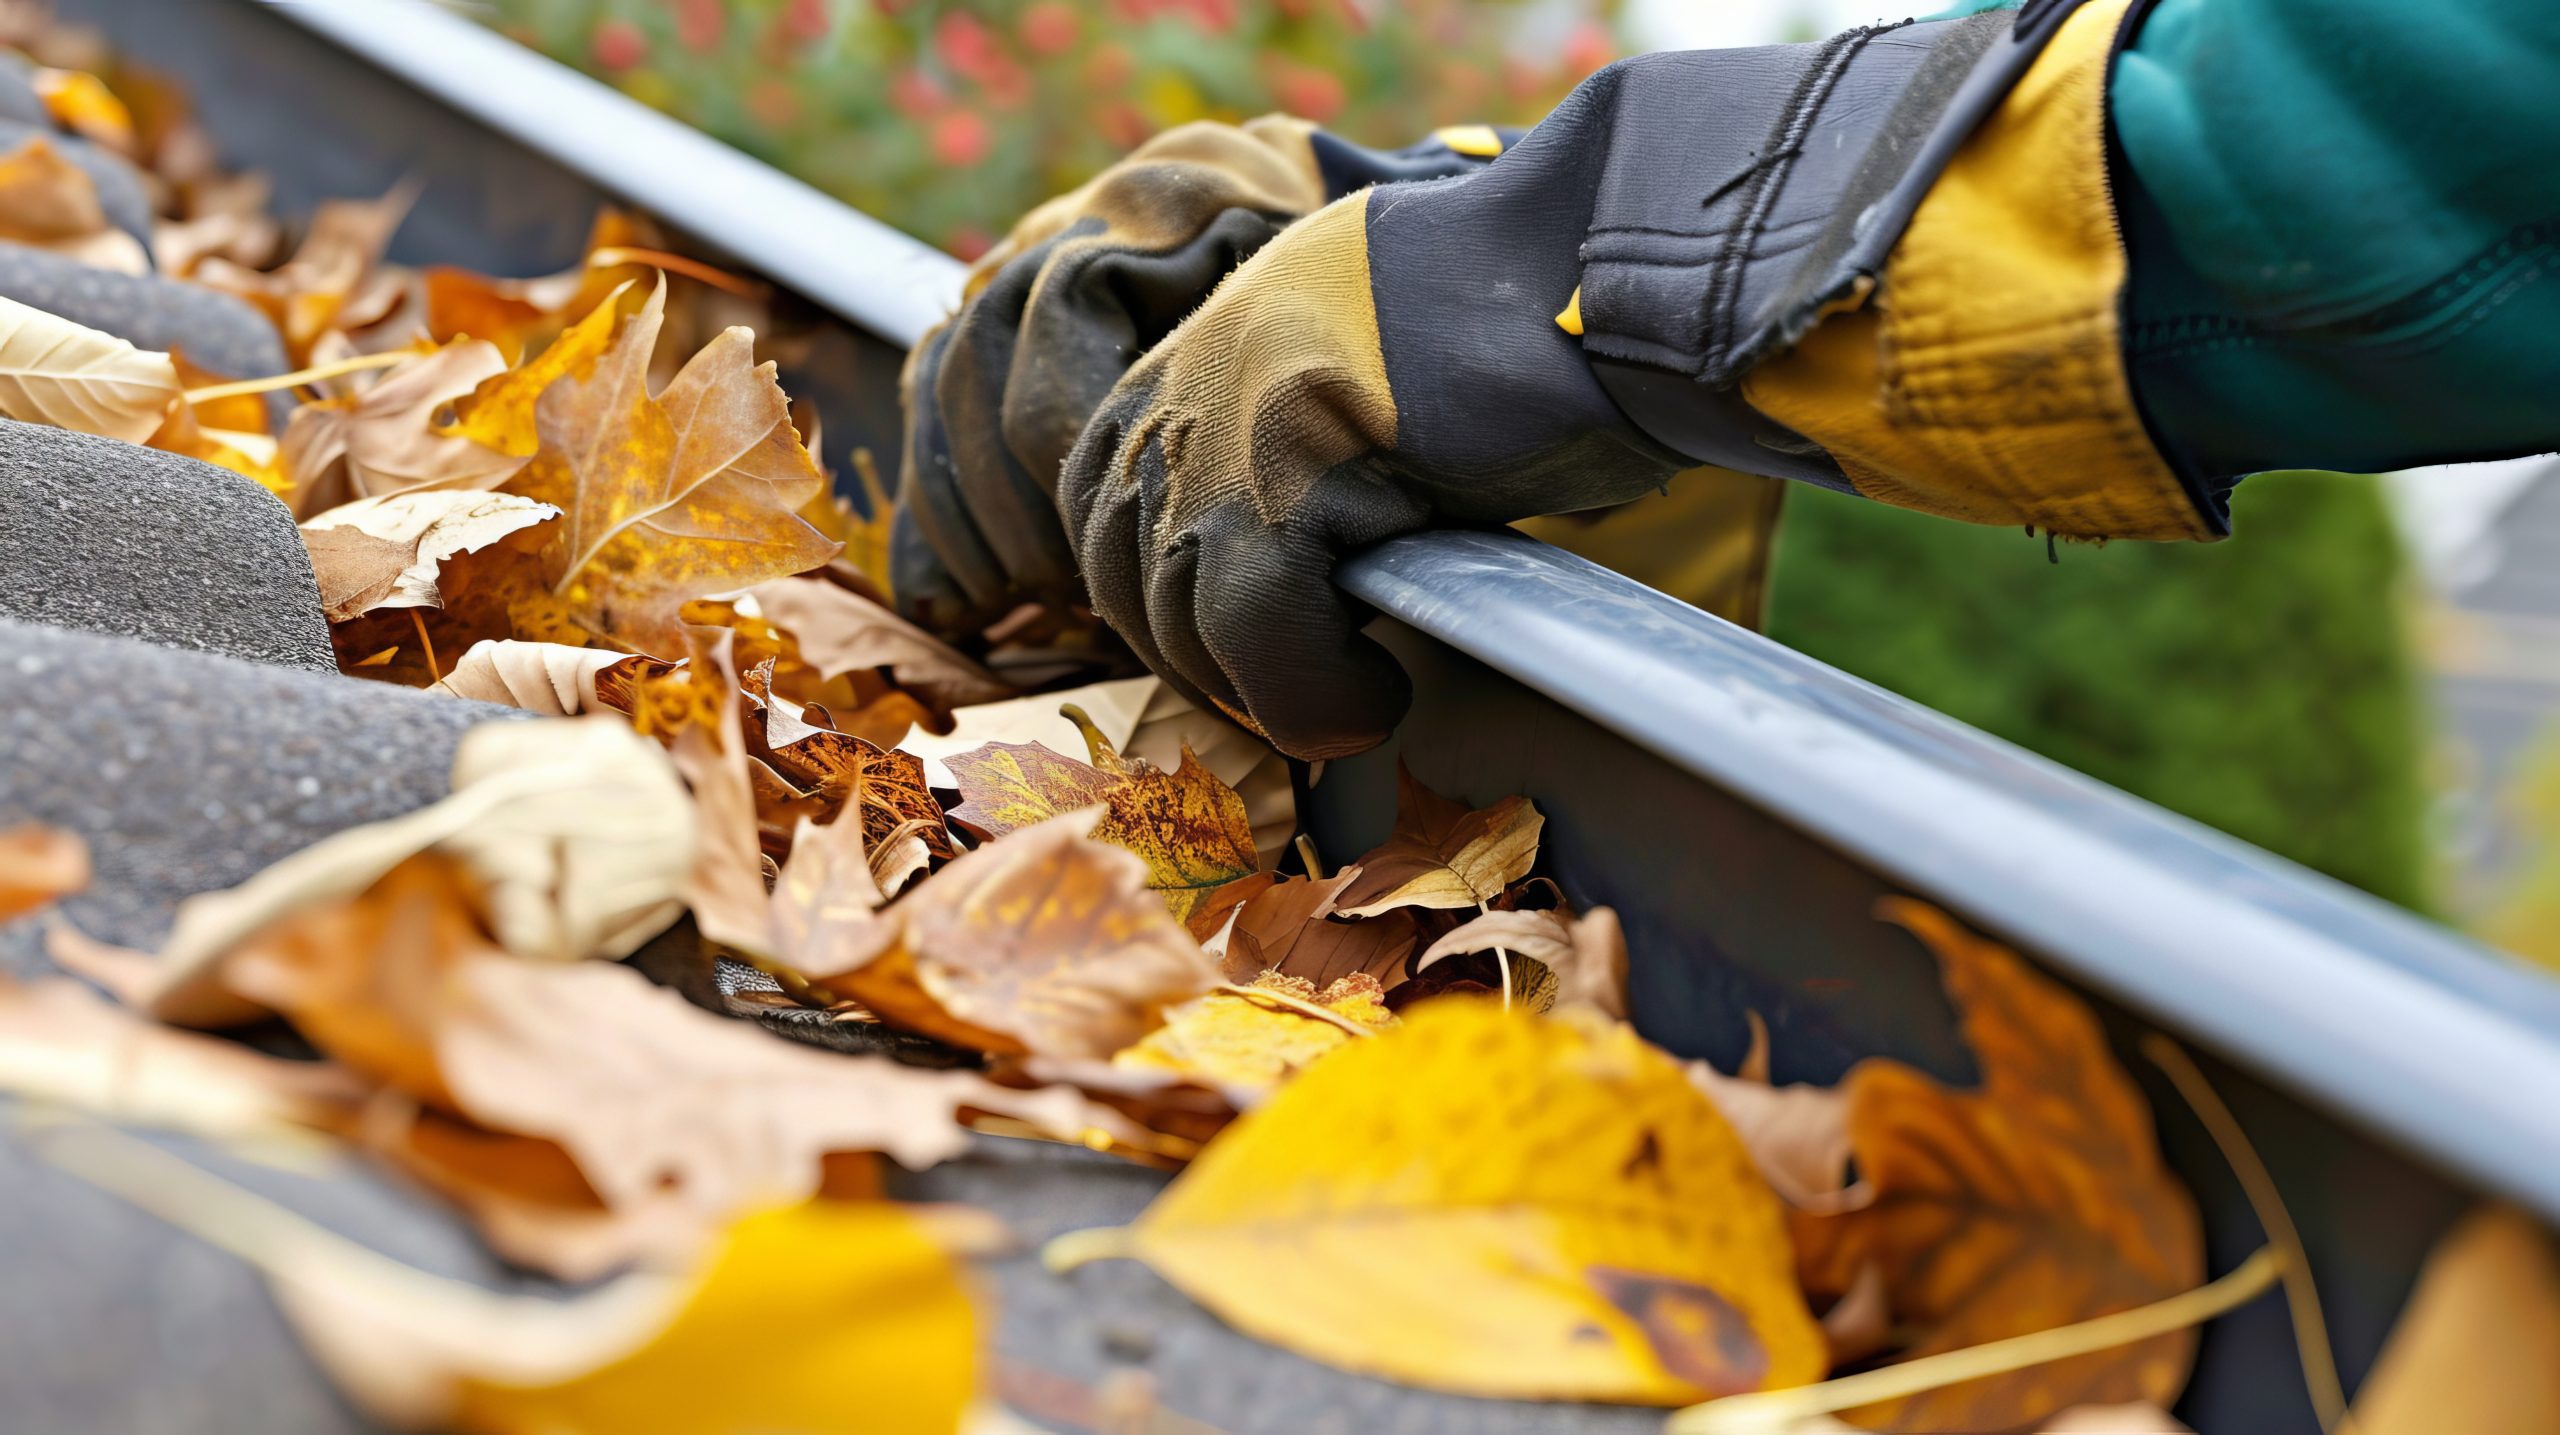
<point>2263,685</point>
<point>950,119</point>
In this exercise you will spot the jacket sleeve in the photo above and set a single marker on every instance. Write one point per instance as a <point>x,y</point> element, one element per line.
<point>2201,238</point>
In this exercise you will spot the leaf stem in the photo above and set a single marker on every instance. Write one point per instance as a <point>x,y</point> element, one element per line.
<point>419,620</point>
<point>1771,1412</point>
<point>1501,958</point>
<point>2301,1293</point>
<point>614,255</point>
<point>1307,854</point>
<point>298,377</point>
<point>1299,1005</point>
<point>1081,1248</point>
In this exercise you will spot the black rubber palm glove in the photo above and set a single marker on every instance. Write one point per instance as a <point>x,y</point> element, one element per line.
<point>1560,330</point>
<point>1058,311</point>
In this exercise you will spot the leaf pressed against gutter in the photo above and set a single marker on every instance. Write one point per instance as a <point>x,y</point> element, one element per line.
<point>1442,855</point>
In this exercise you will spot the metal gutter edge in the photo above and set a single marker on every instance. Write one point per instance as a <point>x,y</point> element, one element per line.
<point>2417,1032</point>
<point>878,277</point>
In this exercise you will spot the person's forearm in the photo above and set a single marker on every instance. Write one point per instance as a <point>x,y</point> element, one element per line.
<point>2343,218</point>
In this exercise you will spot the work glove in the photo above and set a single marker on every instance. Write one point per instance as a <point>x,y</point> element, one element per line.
<point>1560,330</point>
<point>1056,313</point>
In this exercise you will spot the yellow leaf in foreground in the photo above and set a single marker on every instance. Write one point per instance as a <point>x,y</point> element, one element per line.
<point>2473,1351</point>
<point>55,372</point>
<point>1488,1202</point>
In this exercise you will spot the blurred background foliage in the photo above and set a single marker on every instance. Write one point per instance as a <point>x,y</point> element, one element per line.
<point>950,119</point>
<point>2264,685</point>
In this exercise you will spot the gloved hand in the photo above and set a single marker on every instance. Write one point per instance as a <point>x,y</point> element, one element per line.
<point>1060,309</point>
<point>1560,330</point>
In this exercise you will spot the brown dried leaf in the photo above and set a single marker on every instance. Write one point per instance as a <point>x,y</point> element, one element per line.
<point>669,497</point>
<point>61,1042</point>
<point>552,679</point>
<point>1288,930</point>
<point>2471,1351</point>
<point>1442,855</point>
<point>37,865</point>
<point>1043,941</point>
<point>385,440</point>
<point>1588,954</point>
<point>2034,1201</point>
<point>388,552</point>
<point>884,789</point>
<point>841,631</point>
<point>1187,826</point>
<point>726,887</point>
<point>328,283</point>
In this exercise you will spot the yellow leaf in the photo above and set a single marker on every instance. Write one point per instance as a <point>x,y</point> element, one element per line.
<point>2037,1200</point>
<point>38,864</point>
<point>671,497</point>
<point>1188,827</point>
<point>81,103</point>
<point>1442,855</point>
<point>2473,1350</point>
<point>1492,1203</point>
<point>499,413</point>
<point>821,1316</point>
<point>55,372</point>
<point>825,1316</point>
<point>1229,1041</point>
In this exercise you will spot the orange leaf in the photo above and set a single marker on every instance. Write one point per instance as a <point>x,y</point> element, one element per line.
<point>668,497</point>
<point>2036,1200</point>
<point>37,865</point>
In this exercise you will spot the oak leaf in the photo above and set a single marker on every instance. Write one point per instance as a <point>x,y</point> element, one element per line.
<point>1533,1208</point>
<point>37,865</point>
<point>384,439</point>
<point>668,497</point>
<point>387,552</point>
<point>2034,1201</point>
<point>1188,827</point>
<point>1043,941</point>
<point>68,376</point>
<point>1442,855</point>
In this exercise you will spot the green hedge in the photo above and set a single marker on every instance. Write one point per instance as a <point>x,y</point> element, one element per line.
<point>2263,685</point>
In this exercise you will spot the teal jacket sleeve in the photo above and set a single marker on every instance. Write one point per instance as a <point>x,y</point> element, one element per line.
<point>2343,220</point>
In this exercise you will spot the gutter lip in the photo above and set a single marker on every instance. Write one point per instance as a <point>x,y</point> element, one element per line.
<point>2444,1046</point>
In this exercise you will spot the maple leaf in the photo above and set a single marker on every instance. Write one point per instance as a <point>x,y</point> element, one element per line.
<point>668,497</point>
<point>386,552</point>
<point>1189,828</point>
<point>2035,1201</point>
<point>384,439</point>
<point>1534,1208</point>
<point>37,865</point>
<point>1232,1042</point>
<point>1044,941</point>
<point>500,413</point>
<point>1442,855</point>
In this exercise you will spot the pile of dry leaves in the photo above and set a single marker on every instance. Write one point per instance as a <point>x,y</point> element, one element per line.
<point>1416,1135</point>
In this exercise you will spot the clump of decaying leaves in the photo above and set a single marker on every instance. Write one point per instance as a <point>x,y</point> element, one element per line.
<point>1067,914</point>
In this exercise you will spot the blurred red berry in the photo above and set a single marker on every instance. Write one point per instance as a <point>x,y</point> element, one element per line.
<point>916,94</point>
<point>1521,81</point>
<point>1110,67</point>
<point>618,45</point>
<point>1295,9</point>
<point>773,104</point>
<point>806,20</point>
<point>964,43</point>
<point>1122,124</point>
<point>1049,28</point>
<point>1217,17</point>
<point>1006,84</point>
<point>1308,94</point>
<point>1587,49</point>
<point>962,138</point>
<point>699,23</point>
